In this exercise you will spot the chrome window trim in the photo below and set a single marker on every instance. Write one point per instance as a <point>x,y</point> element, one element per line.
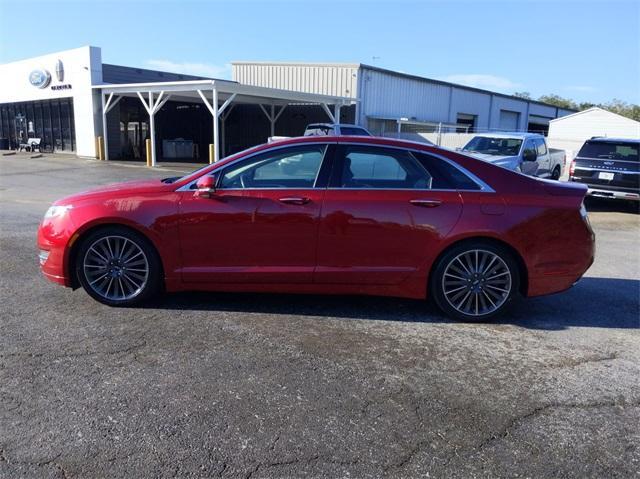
<point>187,187</point>
<point>484,187</point>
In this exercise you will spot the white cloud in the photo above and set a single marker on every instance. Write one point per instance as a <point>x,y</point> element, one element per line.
<point>198,69</point>
<point>479,80</point>
<point>581,88</point>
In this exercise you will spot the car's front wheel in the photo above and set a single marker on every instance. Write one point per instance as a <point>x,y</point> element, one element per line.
<point>118,267</point>
<point>475,281</point>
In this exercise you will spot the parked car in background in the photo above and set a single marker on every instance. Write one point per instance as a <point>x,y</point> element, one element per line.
<point>526,153</point>
<point>609,167</point>
<point>337,129</point>
<point>327,215</point>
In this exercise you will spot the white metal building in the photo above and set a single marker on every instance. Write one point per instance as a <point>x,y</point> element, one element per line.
<point>387,97</point>
<point>570,132</point>
<point>68,99</point>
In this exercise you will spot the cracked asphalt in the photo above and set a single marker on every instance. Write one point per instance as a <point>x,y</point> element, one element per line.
<point>250,386</point>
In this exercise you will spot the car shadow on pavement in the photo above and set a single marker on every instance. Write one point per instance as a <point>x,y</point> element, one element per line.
<point>604,205</point>
<point>593,302</point>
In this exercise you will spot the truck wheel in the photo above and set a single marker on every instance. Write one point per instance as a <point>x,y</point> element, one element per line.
<point>556,173</point>
<point>475,281</point>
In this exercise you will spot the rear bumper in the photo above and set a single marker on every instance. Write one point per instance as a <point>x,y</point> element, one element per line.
<point>566,268</point>
<point>618,195</point>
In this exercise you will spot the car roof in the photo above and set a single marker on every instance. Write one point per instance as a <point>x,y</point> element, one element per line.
<point>377,140</point>
<point>519,135</point>
<point>605,139</point>
<point>331,125</point>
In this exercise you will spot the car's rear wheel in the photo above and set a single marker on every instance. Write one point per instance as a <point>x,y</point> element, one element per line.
<point>555,175</point>
<point>118,267</point>
<point>475,281</point>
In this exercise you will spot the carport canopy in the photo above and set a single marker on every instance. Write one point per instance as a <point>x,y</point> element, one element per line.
<point>219,96</point>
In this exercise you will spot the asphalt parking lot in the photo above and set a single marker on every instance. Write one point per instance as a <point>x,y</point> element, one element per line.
<point>245,385</point>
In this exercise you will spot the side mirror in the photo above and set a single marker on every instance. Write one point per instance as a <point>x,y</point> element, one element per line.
<point>206,186</point>
<point>530,155</point>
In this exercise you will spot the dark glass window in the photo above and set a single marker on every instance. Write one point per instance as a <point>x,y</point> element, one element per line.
<point>50,120</point>
<point>65,126</point>
<point>610,150</point>
<point>445,175</point>
<point>46,126</point>
<point>349,130</point>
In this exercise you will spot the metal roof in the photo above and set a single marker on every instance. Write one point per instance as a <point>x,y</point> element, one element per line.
<point>188,90</point>
<point>401,75</point>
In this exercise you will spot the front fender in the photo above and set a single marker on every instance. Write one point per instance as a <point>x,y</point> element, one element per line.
<point>154,216</point>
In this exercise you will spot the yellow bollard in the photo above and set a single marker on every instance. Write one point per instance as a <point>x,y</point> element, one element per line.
<point>100,148</point>
<point>147,143</point>
<point>211,153</point>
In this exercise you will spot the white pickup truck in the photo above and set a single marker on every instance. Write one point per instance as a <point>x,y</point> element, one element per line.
<point>527,153</point>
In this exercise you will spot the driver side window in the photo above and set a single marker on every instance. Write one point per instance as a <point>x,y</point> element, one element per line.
<point>295,167</point>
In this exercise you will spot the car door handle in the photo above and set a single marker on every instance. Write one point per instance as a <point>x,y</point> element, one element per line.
<point>294,200</point>
<point>426,203</point>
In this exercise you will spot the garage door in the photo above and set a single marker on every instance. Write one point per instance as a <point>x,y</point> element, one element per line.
<point>509,120</point>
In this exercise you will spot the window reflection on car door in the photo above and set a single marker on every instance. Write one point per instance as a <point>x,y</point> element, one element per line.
<point>382,214</point>
<point>261,224</point>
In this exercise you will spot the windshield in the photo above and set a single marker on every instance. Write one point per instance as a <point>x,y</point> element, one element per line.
<point>609,151</point>
<point>318,130</point>
<point>494,146</point>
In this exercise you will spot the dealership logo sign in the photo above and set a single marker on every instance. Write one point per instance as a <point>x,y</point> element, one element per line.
<point>40,78</point>
<point>59,71</point>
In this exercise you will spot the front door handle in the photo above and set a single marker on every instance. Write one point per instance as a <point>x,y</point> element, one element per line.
<point>426,203</point>
<point>294,200</point>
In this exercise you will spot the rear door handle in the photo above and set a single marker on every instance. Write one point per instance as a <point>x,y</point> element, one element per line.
<point>426,203</point>
<point>294,200</point>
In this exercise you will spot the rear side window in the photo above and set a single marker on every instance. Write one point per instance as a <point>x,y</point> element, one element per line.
<point>372,167</point>
<point>609,150</point>
<point>352,131</point>
<point>445,175</point>
<point>541,147</point>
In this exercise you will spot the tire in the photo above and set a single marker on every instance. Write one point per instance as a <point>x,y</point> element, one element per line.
<point>470,289</point>
<point>118,267</point>
<point>556,173</point>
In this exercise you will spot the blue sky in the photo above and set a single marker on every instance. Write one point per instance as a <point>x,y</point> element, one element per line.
<point>585,50</point>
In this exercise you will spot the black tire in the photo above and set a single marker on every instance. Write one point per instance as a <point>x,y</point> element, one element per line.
<point>484,295</point>
<point>136,270</point>
<point>556,173</point>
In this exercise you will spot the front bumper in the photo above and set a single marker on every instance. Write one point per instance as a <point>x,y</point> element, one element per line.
<point>55,237</point>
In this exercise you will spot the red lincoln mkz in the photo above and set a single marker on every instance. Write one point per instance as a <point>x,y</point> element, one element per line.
<point>335,215</point>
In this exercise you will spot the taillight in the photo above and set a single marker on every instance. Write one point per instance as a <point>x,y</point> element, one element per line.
<point>572,168</point>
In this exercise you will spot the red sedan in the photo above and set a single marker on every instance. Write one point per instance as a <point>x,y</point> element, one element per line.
<point>331,215</point>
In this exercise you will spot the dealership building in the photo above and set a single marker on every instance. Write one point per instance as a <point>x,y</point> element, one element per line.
<point>70,99</point>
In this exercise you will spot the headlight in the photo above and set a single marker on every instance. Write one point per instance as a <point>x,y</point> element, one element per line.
<point>54,211</point>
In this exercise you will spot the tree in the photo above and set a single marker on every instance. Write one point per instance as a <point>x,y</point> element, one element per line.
<point>616,106</point>
<point>557,100</point>
<point>523,94</point>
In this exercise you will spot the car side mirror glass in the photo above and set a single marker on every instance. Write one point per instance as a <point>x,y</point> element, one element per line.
<point>530,156</point>
<point>206,186</point>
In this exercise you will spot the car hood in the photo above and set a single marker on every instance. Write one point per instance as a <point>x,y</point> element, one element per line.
<point>127,188</point>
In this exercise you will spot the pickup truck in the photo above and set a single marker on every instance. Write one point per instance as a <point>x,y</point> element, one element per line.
<point>527,153</point>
